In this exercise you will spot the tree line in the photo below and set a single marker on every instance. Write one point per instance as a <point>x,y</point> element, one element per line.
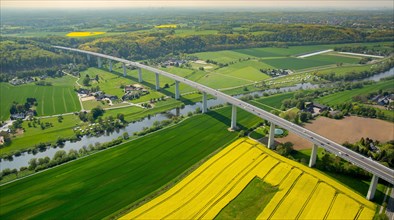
<point>139,46</point>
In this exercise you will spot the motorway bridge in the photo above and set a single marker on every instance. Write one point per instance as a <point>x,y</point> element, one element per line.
<point>377,169</point>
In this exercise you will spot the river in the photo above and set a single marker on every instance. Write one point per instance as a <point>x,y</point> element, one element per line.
<point>22,160</point>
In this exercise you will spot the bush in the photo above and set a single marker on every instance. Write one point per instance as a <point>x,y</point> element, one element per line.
<point>126,136</point>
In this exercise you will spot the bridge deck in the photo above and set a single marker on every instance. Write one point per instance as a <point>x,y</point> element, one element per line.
<point>359,160</point>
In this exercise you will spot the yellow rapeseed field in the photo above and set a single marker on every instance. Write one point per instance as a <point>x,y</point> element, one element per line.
<point>316,207</point>
<point>303,193</point>
<point>166,26</point>
<point>83,34</point>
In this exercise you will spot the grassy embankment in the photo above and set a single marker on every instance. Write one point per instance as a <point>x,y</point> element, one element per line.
<point>102,184</point>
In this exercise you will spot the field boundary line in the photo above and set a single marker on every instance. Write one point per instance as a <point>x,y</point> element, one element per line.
<point>259,103</point>
<point>285,177</point>
<point>64,100</point>
<point>215,199</point>
<point>287,193</point>
<point>53,102</point>
<point>229,76</point>
<point>42,104</point>
<point>176,192</point>
<point>209,183</point>
<point>331,205</point>
<point>308,199</point>
<point>73,97</point>
<point>360,209</point>
<point>269,171</point>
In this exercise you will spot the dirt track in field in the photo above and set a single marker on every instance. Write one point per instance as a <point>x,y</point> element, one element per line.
<point>349,129</point>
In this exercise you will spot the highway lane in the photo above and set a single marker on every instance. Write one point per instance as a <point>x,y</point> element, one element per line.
<point>341,151</point>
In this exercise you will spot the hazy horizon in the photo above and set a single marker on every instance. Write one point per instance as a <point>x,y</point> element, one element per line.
<point>97,4</point>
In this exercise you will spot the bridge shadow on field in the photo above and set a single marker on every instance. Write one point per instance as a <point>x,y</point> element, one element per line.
<point>224,119</point>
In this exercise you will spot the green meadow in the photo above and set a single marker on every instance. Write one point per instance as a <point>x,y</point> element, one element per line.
<point>35,135</point>
<point>346,96</point>
<point>55,99</point>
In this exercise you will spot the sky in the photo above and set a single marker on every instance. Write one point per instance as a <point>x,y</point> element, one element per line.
<point>304,4</point>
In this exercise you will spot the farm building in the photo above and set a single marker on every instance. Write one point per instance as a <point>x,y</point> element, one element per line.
<point>315,108</point>
<point>135,87</point>
<point>106,96</point>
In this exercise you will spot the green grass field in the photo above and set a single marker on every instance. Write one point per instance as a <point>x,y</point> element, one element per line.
<point>250,202</point>
<point>343,70</point>
<point>275,101</point>
<point>217,81</point>
<point>102,184</point>
<point>282,52</point>
<point>295,63</point>
<point>332,58</point>
<point>270,103</point>
<point>224,56</point>
<point>35,135</point>
<point>346,96</point>
<point>55,99</point>
<point>249,70</point>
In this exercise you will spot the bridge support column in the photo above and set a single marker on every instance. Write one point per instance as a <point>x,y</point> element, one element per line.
<point>110,65</point>
<point>312,160</point>
<point>99,62</point>
<point>233,118</point>
<point>271,137</point>
<point>88,57</point>
<point>124,69</point>
<point>176,89</point>
<point>157,81</point>
<point>204,103</point>
<point>139,75</point>
<point>372,187</point>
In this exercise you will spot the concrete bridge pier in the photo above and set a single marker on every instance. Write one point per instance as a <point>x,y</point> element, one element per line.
<point>124,69</point>
<point>139,75</point>
<point>110,65</point>
<point>312,160</point>
<point>233,118</point>
<point>88,57</point>
<point>177,89</point>
<point>204,103</point>
<point>271,136</point>
<point>100,64</point>
<point>372,187</point>
<point>157,81</point>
